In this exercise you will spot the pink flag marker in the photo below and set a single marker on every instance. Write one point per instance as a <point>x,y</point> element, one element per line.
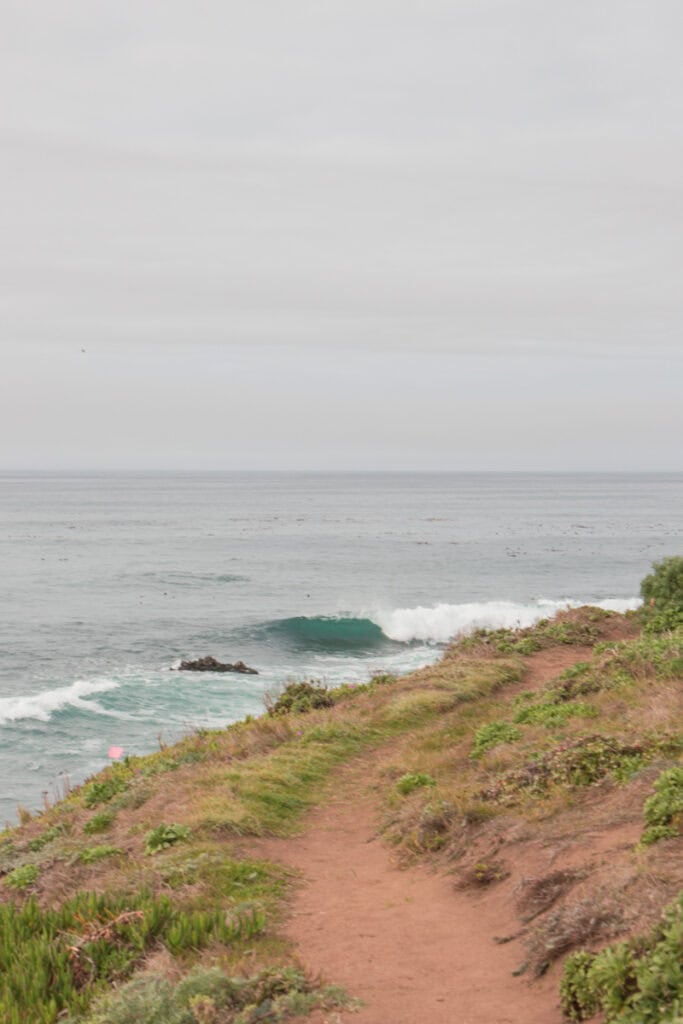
<point>115,753</point>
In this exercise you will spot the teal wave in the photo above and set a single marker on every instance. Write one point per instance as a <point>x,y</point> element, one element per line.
<point>326,633</point>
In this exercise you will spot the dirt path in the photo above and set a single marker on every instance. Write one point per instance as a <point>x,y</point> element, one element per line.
<point>408,944</point>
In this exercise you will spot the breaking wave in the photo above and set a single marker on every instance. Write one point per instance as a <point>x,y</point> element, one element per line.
<point>443,622</point>
<point>41,706</point>
<point>326,633</point>
<point>383,629</point>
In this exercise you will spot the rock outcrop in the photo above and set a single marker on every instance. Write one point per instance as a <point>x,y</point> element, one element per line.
<point>210,664</point>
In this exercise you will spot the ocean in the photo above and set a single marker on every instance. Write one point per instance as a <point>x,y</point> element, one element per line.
<point>109,580</point>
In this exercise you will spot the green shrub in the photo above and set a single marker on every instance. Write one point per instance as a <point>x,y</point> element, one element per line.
<point>22,877</point>
<point>94,853</point>
<point>491,735</point>
<point>552,714</point>
<point>50,834</point>
<point>207,995</point>
<point>101,792</point>
<point>100,822</point>
<point>634,982</point>
<point>164,836</point>
<point>580,762</point>
<point>414,780</point>
<point>298,698</point>
<point>665,805</point>
<point>662,594</point>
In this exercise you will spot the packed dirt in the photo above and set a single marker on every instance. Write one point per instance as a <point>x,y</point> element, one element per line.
<point>405,941</point>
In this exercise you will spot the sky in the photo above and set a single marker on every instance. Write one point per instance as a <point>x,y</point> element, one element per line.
<point>336,235</point>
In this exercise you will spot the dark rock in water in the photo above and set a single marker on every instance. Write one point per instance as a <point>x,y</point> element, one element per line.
<point>209,664</point>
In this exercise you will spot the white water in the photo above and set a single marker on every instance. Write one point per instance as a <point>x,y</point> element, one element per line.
<point>443,622</point>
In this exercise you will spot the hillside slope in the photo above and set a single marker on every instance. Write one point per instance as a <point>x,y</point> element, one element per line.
<point>441,842</point>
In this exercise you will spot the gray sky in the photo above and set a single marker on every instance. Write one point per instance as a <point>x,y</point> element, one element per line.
<point>439,235</point>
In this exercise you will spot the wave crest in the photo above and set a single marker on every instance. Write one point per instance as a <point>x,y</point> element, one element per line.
<point>443,622</point>
<point>328,633</point>
<point>41,706</point>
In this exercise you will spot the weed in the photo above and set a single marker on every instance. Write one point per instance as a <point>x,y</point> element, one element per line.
<point>92,854</point>
<point>163,836</point>
<point>412,781</point>
<point>48,836</point>
<point>100,822</point>
<point>551,714</point>
<point>101,792</point>
<point>23,877</point>
<point>482,874</point>
<point>664,806</point>
<point>490,735</point>
<point>579,762</point>
<point>298,698</point>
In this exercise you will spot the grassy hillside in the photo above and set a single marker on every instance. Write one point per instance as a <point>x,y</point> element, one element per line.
<point>137,898</point>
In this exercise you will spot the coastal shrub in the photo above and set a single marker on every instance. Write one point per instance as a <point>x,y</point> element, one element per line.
<point>101,791</point>
<point>208,995</point>
<point>635,982</point>
<point>48,836</point>
<point>491,735</point>
<point>53,961</point>
<point>579,762</point>
<point>94,853</point>
<point>412,781</point>
<point>164,836</point>
<point>298,698</point>
<point>662,594</point>
<point>552,714</point>
<point>100,822</point>
<point>665,806</point>
<point>22,877</point>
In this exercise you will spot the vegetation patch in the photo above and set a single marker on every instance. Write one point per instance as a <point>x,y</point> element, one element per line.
<point>579,627</point>
<point>662,594</point>
<point>299,698</point>
<point>93,854</point>
<point>209,996</point>
<point>664,810</point>
<point>412,781</point>
<point>163,836</point>
<point>580,762</point>
<point>491,735</point>
<point>634,982</point>
<point>22,877</point>
<point>56,960</point>
<point>551,713</point>
<point>100,822</point>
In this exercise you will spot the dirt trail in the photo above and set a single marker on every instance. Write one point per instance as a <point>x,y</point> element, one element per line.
<point>414,949</point>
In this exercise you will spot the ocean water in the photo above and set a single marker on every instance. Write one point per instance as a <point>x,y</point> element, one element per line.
<point>109,580</point>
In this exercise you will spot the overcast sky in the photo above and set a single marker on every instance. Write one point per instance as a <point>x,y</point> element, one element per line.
<point>336,234</point>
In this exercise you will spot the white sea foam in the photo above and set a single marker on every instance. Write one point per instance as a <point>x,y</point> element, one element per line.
<point>41,706</point>
<point>443,622</point>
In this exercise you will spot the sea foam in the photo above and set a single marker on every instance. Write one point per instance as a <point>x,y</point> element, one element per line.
<point>443,622</point>
<point>41,706</point>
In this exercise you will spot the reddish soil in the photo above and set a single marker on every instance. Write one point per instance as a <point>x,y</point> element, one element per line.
<point>405,941</point>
